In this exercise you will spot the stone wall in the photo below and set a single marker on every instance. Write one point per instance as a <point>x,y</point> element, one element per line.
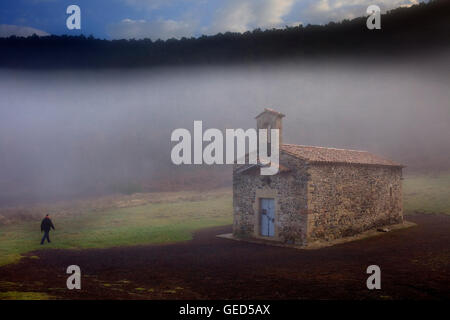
<point>266,120</point>
<point>344,200</point>
<point>289,191</point>
<point>318,201</point>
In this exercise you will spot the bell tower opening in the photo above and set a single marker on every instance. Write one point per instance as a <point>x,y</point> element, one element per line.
<point>270,119</point>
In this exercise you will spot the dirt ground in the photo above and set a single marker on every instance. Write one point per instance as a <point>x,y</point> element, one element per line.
<point>414,262</point>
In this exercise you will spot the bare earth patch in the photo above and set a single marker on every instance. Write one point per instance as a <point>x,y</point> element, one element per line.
<point>414,262</point>
<point>322,244</point>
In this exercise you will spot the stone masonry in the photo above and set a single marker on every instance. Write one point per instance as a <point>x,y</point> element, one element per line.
<point>319,193</point>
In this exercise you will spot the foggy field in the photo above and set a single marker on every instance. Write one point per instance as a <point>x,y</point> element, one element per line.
<point>427,193</point>
<point>162,217</point>
<point>173,219</point>
<point>68,134</point>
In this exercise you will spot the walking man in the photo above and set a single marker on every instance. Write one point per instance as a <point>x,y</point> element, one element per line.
<point>46,225</point>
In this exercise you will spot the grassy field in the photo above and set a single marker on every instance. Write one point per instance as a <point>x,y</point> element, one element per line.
<point>163,217</point>
<point>18,295</point>
<point>160,222</point>
<point>427,193</point>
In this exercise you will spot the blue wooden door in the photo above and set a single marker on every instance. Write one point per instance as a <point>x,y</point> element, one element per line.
<point>267,206</point>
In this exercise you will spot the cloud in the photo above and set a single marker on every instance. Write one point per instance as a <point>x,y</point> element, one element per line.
<point>323,11</point>
<point>238,15</point>
<point>157,29</point>
<point>7,30</point>
<point>243,15</point>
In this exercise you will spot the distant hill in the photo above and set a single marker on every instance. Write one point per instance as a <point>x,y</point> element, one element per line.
<point>425,26</point>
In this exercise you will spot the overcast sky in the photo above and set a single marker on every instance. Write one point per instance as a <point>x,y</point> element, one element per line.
<point>117,19</point>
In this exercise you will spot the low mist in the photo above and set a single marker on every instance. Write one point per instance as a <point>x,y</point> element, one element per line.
<point>73,133</point>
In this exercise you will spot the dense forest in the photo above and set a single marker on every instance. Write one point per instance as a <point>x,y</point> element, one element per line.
<point>421,27</point>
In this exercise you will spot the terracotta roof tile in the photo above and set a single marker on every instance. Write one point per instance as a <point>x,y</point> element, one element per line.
<point>333,155</point>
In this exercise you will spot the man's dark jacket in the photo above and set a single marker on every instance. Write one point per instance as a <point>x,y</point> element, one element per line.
<point>46,225</point>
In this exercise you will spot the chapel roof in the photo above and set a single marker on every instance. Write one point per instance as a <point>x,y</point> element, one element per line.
<point>333,155</point>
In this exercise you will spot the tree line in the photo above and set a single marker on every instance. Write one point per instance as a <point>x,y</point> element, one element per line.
<point>421,27</point>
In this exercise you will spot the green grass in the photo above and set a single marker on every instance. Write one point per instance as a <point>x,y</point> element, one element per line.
<point>427,193</point>
<point>162,222</point>
<point>174,219</point>
<point>18,295</point>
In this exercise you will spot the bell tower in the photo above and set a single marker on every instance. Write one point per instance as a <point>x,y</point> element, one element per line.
<point>270,119</point>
